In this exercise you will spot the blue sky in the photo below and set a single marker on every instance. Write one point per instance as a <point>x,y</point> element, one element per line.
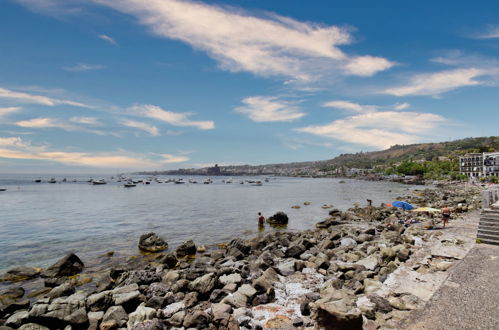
<point>122,85</point>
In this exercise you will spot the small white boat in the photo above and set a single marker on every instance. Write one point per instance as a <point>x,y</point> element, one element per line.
<point>228,180</point>
<point>256,183</point>
<point>98,182</point>
<point>52,181</point>
<point>179,181</point>
<point>192,181</point>
<point>207,181</point>
<point>129,185</point>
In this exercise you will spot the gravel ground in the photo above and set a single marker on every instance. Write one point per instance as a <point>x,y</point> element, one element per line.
<point>469,298</point>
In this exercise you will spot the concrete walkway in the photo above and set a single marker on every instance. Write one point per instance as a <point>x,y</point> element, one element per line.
<point>469,297</point>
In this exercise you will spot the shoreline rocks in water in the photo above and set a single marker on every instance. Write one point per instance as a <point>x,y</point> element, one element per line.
<point>151,242</point>
<point>334,277</point>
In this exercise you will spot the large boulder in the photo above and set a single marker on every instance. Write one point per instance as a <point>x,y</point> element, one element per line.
<point>68,266</point>
<point>186,248</point>
<point>280,218</point>
<point>151,242</point>
<point>203,284</point>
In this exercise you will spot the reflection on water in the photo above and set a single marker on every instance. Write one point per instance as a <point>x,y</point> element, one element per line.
<point>41,222</point>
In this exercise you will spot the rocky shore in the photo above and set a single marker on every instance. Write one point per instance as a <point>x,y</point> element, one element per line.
<point>360,268</point>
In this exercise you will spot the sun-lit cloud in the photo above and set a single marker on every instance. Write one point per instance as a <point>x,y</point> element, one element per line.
<point>170,117</point>
<point>152,130</point>
<point>81,67</point>
<point>349,106</point>
<point>17,148</point>
<point>379,129</point>
<point>438,83</point>
<point>22,97</point>
<point>45,123</point>
<point>5,111</point>
<point>269,109</point>
<point>172,159</point>
<point>107,38</point>
<point>266,44</point>
<point>401,106</point>
<point>85,120</point>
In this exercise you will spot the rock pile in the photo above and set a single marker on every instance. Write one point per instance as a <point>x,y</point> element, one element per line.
<point>327,277</point>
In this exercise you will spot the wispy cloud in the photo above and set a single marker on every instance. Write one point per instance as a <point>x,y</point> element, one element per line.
<point>18,148</point>
<point>269,109</point>
<point>45,123</point>
<point>107,38</point>
<point>152,130</point>
<point>85,120</point>
<point>172,159</point>
<point>265,45</point>
<point>23,97</point>
<point>8,110</point>
<point>379,129</point>
<point>172,118</point>
<point>437,83</point>
<point>362,108</point>
<point>490,32</point>
<point>81,67</point>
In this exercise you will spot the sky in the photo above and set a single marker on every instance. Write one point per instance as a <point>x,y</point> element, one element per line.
<point>123,85</point>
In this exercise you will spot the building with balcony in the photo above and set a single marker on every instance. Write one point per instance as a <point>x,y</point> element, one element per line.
<point>471,165</point>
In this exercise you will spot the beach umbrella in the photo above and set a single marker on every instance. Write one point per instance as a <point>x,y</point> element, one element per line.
<point>403,205</point>
<point>426,209</point>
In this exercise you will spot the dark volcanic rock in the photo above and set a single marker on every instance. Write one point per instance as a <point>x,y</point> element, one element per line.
<point>280,218</point>
<point>151,242</point>
<point>169,260</point>
<point>67,266</point>
<point>186,248</point>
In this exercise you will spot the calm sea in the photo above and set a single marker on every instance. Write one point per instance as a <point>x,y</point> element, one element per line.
<point>41,222</point>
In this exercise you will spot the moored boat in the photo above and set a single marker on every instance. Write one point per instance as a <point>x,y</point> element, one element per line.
<point>100,181</point>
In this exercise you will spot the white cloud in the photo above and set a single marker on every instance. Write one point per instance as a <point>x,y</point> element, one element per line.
<point>22,97</point>
<point>17,148</point>
<point>107,39</point>
<point>85,120</point>
<point>268,45</point>
<point>152,130</point>
<point>173,118</point>
<point>80,67</point>
<point>401,106</point>
<point>8,110</point>
<point>269,109</point>
<point>438,83</point>
<point>45,123</point>
<point>379,129</point>
<point>350,106</point>
<point>367,66</point>
<point>491,32</point>
<point>172,159</point>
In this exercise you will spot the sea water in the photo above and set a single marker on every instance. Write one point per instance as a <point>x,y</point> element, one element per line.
<point>42,222</point>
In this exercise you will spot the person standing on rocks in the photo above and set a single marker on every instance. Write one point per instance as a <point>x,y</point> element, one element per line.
<point>445,215</point>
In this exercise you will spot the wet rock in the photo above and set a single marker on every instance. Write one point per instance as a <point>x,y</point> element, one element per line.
<point>140,315</point>
<point>115,314</point>
<point>67,266</point>
<point>186,248</point>
<point>169,260</point>
<point>10,306</point>
<point>20,274</point>
<point>12,293</point>
<point>151,242</point>
<point>280,218</point>
<point>203,284</point>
